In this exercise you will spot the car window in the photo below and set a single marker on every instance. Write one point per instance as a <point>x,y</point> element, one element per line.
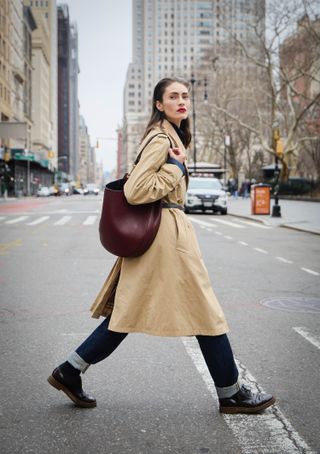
<point>204,183</point>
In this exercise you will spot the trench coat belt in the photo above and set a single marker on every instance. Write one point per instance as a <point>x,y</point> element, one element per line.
<point>172,205</point>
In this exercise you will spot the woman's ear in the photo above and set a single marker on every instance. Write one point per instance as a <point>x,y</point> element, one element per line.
<point>159,106</point>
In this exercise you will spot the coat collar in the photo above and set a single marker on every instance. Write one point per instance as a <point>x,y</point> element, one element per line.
<point>168,129</point>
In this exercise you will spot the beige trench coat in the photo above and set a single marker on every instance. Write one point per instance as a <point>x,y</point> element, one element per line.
<point>166,291</point>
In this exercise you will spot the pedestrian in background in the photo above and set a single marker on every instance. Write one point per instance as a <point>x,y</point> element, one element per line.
<point>166,291</point>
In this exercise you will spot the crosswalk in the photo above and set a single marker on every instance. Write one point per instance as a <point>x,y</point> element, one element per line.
<point>64,219</point>
<point>32,221</point>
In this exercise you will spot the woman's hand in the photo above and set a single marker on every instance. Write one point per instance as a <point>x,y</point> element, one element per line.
<point>177,154</point>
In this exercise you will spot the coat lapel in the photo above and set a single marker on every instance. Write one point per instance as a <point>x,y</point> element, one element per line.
<point>170,131</point>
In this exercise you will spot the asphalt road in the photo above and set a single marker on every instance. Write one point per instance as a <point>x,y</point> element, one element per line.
<point>154,394</point>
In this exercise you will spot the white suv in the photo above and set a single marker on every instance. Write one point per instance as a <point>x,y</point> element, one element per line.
<point>206,194</point>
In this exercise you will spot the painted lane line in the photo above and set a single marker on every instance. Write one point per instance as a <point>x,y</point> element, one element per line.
<point>90,220</point>
<point>38,221</point>
<point>314,340</point>
<point>227,237</point>
<point>255,224</point>
<point>16,220</point>
<point>2,218</point>
<point>307,270</point>
<point>260,250</point>
<point>204,223</point>
<point>282,259</point>
<point>63,220</point>
<point>269,433</point>
<point>208,229</point>
<point>229,223</point>
<point>243,243</point>
<point>218,233</point>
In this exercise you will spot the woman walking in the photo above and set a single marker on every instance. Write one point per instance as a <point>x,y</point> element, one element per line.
<point>166,291</point>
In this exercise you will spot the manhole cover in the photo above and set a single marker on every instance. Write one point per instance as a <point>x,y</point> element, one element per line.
<point>293,304</point>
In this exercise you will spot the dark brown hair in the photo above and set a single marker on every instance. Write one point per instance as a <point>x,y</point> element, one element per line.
<point>158,117</point>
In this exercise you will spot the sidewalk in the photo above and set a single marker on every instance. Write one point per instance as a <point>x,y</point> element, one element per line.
<point>297,215</point>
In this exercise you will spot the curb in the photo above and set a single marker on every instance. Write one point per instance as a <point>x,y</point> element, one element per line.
<point>298,229</point>
<point>259,221</point>
<point>286,226</point>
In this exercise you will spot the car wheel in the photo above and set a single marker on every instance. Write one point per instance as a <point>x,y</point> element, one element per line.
<point>224,211</point>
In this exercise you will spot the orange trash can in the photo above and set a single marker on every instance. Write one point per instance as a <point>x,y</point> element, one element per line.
<point>260,198</point>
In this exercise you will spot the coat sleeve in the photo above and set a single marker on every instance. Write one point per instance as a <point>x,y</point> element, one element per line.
<point>152,178</point>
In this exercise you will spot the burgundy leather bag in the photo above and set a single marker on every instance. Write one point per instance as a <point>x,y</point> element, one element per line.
<point>127,230</point>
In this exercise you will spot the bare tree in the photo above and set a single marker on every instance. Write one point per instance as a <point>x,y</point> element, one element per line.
<point>268,83</point>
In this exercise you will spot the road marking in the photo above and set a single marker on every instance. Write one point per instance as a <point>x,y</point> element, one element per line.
<point>38,221</point>
<point>208,229</point>
<point>16,220</point>
<point>270,432</point>
<point>255,224</point>
<point>307,270</point>
<point>227,237</point>
<point>218,233</point>
<point>260,250</point>
<point>63,220</point>
<point>243,243</point>
<point>281,259</point>
<point>90,220</point>
<point>204,223</point>
<point>231,224</point>
<point>4,247</point>
<point>314,340</point>
<point>2,218</point>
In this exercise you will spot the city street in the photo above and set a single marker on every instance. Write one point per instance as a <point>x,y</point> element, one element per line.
<point>154,394</point>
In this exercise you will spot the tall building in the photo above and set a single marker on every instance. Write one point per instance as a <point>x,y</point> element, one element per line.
<point>68,107</point>
<point>74,103</point>
<point>178,38</point>
<point>45,13</point>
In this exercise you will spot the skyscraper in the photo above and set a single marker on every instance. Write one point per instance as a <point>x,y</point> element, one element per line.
<point>178,38</point>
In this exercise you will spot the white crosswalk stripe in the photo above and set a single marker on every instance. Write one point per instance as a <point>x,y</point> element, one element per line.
<point>202,223</point>
<point>2,218</point>
<point>231,224</point>
<point>63,220</point>
<point>314,340</point>
<point>16,220</point>
<point>39,221</point>
<point>255,224</point>
<point>90,220</point>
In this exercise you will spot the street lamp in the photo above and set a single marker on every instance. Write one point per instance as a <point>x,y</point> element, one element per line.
<point>276,209</point>
<point>193,81</point>
<point>227,143</point>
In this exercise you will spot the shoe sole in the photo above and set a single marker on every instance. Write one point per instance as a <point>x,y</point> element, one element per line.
<point>247,410</point>
<point>60,387</point>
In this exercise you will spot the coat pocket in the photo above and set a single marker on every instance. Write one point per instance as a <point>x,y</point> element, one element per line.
<point>183,236</point>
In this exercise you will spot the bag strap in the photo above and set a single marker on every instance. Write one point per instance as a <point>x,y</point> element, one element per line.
<point>151,138</point>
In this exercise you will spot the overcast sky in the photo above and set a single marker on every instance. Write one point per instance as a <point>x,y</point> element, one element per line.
<point>104,33</point>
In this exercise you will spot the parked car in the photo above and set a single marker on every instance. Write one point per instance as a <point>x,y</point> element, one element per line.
<point>91,188</point>
<point>206,194</point>
<point>44,191</point>
<point>65,189</point>
<point>77,191</point>
<point>54,191</point>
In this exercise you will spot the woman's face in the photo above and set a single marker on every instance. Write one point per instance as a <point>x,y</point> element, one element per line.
<point>175,103</point>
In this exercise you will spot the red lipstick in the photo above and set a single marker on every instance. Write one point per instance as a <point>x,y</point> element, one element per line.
<point>182,109</point>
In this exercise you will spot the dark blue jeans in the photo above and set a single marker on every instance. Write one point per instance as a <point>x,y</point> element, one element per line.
<point>216,351</point>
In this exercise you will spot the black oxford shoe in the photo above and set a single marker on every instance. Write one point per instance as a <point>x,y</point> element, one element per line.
<point>245,401</point>
<point>72,387</point>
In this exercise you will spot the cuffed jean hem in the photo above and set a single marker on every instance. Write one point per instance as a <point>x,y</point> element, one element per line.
<point>228,391</point>
<point>77,362</point>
